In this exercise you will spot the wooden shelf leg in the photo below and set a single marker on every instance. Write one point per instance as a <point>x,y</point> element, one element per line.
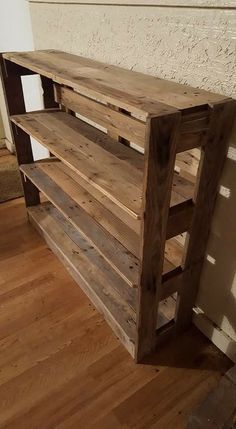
<point>209,173</point>
<point>14,97</point>
<point>160,154</point>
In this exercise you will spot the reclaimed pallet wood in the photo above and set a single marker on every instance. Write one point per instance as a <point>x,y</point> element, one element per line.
<point>119,257</point>
<point>123,88</point>
<point>60,132</point>
<point>131,182</point>
<point>95,276</point>
<point>116,242</point>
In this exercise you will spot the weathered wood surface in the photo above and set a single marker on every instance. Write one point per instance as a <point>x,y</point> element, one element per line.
<point>101,284</point>
<point>210,169</point>
<point>118,244</point>
<point>159,171</point>
<point>123,261</point>
<point>120,180</point>
<point>118,123</point>
<point>14,98</point>
<point>179,219</point>
<point>193,130</point>
<point>117,178</point>
<point>62,177</point>
<point>126,205</point>
<point>135,92</point>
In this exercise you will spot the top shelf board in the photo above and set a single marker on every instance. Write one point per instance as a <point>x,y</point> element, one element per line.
<point>135,92</point>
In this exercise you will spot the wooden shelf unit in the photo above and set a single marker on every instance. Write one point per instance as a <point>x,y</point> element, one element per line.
<point>115,204</point>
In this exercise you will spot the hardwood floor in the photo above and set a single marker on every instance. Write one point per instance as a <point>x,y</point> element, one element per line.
<point>60,364</point>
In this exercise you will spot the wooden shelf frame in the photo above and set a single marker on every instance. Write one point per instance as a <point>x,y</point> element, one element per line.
<point>114,198</point>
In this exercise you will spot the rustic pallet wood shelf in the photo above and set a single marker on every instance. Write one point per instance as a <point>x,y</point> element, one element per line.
<point>115,204</point>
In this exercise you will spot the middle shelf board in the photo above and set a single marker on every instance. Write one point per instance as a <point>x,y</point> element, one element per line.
<point>115,240</point>
<point>112,168</point>
<point>93,220</point>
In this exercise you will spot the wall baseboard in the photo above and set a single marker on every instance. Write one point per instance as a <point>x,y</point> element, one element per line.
<point>2,143</point>
<point>218,337</point>
<point>9,145</point>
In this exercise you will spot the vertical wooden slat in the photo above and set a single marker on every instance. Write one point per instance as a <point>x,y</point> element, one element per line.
<point>158,176</point>
<point>111,131</point>
<point>13,93</point>
<point>210,169</point>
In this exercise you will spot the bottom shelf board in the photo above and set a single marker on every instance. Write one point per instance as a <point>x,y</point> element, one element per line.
<point>106,289</point>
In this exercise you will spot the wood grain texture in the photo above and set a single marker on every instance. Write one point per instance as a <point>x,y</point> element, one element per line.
<point>210,169</point>
<point>14,98</point>
<point>120,181</point>
<point>179,219</point>
<point>61,365</point>
<point>121,260</point>
<point>136,92</point>
<point>117,243</point>
<point>67,182</point>
<point>126,206</point>
<point>116,178</point>
<point>106,290</point>
<point>117,122</point>
<point>159,171</point>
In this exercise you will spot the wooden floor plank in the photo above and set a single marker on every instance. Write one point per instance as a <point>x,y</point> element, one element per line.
<point>66,368</point>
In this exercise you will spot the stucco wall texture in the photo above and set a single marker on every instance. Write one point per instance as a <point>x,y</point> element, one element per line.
<point>191,45</point>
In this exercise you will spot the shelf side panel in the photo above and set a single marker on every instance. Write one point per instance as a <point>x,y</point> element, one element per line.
<point>212,159</point>
<point>159,170</point>
<point>14,98</point>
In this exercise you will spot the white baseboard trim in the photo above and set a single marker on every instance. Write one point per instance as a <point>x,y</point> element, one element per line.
<point>218,337</point>
<point>9,145</point>
<point>2,143</point>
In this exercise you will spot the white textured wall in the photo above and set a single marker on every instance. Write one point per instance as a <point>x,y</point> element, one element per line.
<point>189,42</point>
<point>16,35</point>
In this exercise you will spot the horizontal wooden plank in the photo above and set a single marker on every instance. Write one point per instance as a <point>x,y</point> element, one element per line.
<point>193,130</point>
<point>121,260</point>
<point>191,140</point>
<point>117,122</point>
<point>116,171</point>
<point>173,254</point>
<point>180,217</point>
<point>90,270</point>
<point>111,238</point>
<point>136,92</point>
<point>172,282</point>
<point>182,189</point>
<point>81,147</point>
<point>99,197</point>
<point>67,182</point>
